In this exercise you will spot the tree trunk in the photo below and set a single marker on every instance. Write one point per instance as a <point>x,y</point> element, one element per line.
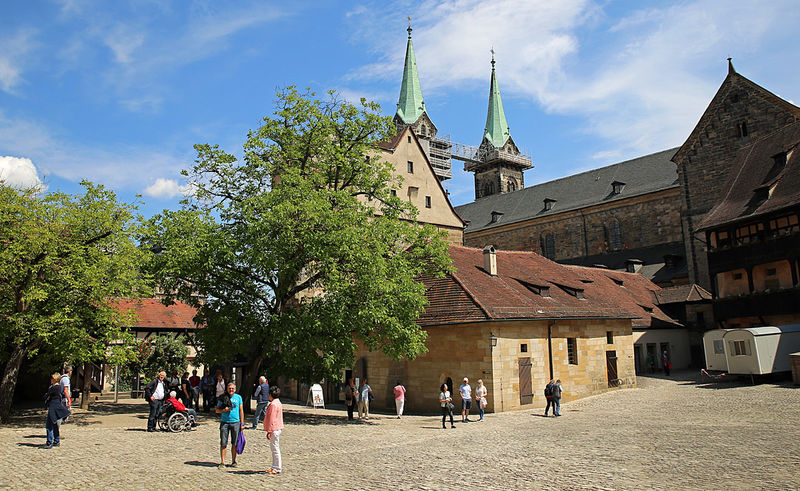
<point>9,382</point>
<point>87,385</point>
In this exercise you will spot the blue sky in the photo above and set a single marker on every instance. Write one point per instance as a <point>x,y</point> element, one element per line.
<point>118,92</point>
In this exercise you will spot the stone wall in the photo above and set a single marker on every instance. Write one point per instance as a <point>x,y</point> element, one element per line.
<point>647,220</point>
<point>458,351</point>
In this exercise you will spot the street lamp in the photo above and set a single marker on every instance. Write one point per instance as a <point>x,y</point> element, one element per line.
<point>492,339</point>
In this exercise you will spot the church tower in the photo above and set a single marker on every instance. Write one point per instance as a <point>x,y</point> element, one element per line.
<point>411,112</point>
<point>498,164</point>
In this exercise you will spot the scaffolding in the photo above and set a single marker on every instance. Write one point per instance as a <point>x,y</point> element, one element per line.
<point>474,157</point>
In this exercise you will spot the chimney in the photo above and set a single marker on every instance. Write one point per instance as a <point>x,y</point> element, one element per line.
<point>633,265</point>
<point>490,260</point>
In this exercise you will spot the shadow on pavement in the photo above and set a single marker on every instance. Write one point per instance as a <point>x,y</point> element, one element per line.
<point>201,464</point>
<point>319,419</point>
<point>34,436</point>
<point>32,445</point>
<point>136,429</point>
<point>248,472</point>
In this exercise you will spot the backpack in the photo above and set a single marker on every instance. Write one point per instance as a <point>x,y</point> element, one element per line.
<point>548,391</point>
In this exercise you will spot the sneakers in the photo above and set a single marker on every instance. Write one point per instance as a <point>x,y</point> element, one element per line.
<point>222,466</point>
<point>233,464</point>
<point>453,427</point>
<point>273,471</point>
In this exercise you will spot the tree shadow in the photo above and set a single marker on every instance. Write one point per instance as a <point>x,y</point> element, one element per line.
<point>304,418</point>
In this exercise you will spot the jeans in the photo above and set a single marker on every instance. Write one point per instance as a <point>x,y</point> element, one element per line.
<point>53,433</point>
<point>155,412</point>
<point>233,430</point>
<point>480,408</point>
<point>208,400</point>
<point>261,409</point>
<point>549,403</point>
<point>350,408</point>
<point>195,393</point>
<point>557,406</point>
<point>275,446</point>
<point>445,411</point>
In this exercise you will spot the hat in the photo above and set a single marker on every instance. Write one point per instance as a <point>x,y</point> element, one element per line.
<point>466,379</point>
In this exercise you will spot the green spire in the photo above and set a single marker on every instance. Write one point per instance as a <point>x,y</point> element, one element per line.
<point>496,131</point>
<point>410,106</point>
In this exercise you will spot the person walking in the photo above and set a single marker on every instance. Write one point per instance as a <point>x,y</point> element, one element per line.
<point>666,363</point>
<point>66,391</point>
<point>399,398</point>
<point>548,394</point>
<point>207,388</point>
<point>261,395</point>
<point>230,423</point>
<point>194,382</point>
<point>651,362</point>
<point>466,400</point>
<point>186,390</point>
<point>480,397</point>
<point>350,398</point>
<point>154,394</point>
<point>447,406</point>
<point>56,411</point>
<point>364,394</point>
<point>557,398</point>
<point>273,425</point>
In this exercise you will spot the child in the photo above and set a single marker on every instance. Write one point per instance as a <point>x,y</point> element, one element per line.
<point>273,424</point>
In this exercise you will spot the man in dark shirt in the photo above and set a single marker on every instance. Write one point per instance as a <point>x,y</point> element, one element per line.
<point>261,395</point>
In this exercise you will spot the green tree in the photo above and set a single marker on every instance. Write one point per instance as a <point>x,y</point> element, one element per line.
<point>300,250</point>
<point>63,258</point>
<point>162,352</point>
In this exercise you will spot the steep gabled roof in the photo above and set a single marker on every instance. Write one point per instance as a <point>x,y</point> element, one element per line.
<point>496,131</point>
<point>641,175</point>
<point>410,105</point>
<point>717,107</point>
<point>683,294</point>
<point>759,184</point>
<point>153,314</point>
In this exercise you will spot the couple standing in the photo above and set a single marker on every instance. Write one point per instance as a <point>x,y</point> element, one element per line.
<point>552,392</point>
<point>358,398</point>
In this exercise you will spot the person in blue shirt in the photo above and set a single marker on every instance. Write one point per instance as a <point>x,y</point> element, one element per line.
<point>230,423</point>
<point>261,395</point>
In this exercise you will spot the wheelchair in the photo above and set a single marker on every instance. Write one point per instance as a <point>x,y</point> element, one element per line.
<point>174,421</point>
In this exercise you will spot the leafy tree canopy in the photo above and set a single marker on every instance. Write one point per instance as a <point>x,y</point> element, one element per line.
<point>63,259</point>
<point>299,249</point>
<point>160,353</point>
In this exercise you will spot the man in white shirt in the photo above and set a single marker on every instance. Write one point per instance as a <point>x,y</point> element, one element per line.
<point>154,394</point>
<point>466,400</point>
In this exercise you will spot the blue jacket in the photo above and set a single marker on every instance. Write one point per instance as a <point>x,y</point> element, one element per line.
<point>262,393</point>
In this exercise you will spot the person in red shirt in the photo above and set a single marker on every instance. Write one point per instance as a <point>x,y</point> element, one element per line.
<point>178,405</point>
<point>273,425</point>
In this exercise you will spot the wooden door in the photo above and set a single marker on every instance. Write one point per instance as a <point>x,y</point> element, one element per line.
<point>525,386</point>
<point>637,358</point>
<point>611,365</point>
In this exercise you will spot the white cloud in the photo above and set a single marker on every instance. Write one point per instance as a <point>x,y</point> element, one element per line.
<point>166,189</point>
<point>123,42</point>
<point>13,53</point>
<point>19,173</point>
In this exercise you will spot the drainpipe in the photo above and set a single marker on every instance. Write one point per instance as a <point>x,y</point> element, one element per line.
<point>550,324</point>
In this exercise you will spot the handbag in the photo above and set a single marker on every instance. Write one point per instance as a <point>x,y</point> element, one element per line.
<point>240,443</point>
<point>451,406</point>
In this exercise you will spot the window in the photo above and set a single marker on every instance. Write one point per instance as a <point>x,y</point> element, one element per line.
<point>427,201</point>
<point>737,276</point>
<point>740,348</point>
<point>548,244</point>
<point>741,129</point>
<point>523,348</point>
<point>572,351</point>
<point>512,185</point>
<point>575,292</point>
<point>618,282</point>
<point>772,271</point>
<point>543,291</point>
<point>548,204</point>
<point>614,236</point>
<point>394,192</point>
<point>496,215</point>
<point>783,226</point>
<point>719,347</point>
<point>749,233</point>
<point>616,187</point>
<point>723,239</point>
<point>610,337</point>
<point>409,138</point>
<point>411,167</point>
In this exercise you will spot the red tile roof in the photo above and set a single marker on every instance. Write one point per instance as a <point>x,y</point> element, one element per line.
<point>155,315</point>
<point>471,294</point>
<point>683,293</point>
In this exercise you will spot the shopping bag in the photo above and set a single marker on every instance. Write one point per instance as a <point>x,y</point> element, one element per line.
<point>240,442</point>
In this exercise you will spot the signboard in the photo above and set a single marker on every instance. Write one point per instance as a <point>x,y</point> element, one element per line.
<point>315,397</point>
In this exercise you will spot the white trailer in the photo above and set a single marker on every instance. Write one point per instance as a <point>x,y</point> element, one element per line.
<point>714,347</point>
<point>761,350</point>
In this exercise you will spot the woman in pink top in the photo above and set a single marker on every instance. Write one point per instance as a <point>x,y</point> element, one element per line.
<point>273,424</point>
<point>399,398</point>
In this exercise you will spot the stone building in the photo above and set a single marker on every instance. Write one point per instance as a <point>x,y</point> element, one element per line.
<point>740,113</point>
<point>624,216</point>
<point>753,234</point>
<point>516,320</point>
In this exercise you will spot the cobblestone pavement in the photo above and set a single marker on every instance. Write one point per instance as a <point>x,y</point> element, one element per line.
<point>667,434</point>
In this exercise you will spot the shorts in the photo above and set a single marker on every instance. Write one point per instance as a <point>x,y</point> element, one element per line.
<point>466,404</point>
<point>231,429</point>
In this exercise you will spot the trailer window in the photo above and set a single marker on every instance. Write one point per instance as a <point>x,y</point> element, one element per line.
<point>719,347</point>
<point>740,348</point>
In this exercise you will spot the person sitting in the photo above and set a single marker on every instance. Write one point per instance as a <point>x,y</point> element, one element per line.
<point>178,405</point>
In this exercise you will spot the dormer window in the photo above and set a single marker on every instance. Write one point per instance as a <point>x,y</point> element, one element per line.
<point>575,292</point>
<point>542,291</point>
<point>548,204</point>
<point>616,187</point>
<point>496,215</point>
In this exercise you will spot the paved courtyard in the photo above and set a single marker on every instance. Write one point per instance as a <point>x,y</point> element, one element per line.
<point>667,434</point>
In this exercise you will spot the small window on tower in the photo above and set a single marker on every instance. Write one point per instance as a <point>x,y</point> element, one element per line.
<point>410,167</point>
<point>409,138</point>
<point>741,129</point>
<point>427,201</point>
<point>394,192</point>
<point>523,348</point>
